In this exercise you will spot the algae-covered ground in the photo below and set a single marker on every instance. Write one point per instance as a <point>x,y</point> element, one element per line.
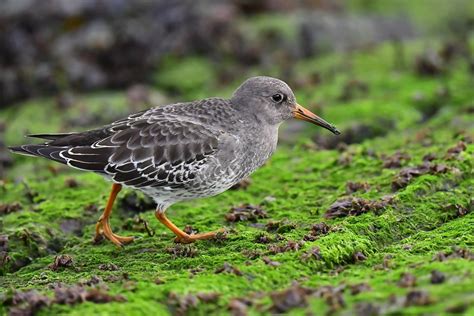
<point>377,221</point>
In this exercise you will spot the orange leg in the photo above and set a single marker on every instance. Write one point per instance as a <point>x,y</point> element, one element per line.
<point>103,226</point>
<point>181,236</point>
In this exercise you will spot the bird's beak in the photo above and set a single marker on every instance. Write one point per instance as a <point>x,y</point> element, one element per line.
<point>306,115</point>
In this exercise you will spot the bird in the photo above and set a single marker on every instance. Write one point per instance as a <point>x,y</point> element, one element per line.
<point>180,151</point>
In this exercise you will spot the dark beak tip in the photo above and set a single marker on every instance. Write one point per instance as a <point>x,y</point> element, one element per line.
<point>336,131</point>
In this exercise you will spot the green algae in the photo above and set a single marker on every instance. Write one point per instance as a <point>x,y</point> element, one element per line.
<point>302,183</point>
<point>189,77</point>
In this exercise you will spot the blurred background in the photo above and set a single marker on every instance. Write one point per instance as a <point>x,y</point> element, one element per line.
<point>372,67</point>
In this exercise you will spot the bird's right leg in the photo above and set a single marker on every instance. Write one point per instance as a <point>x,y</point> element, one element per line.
<point>181,236</point>
<point>103,226</point>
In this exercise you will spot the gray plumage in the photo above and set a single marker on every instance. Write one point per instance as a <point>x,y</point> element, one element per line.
<point>183,150</point>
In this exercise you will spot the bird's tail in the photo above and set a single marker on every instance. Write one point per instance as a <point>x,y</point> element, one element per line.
<point>42,150</point>
<point>50,136</point>
<point>49,152</point>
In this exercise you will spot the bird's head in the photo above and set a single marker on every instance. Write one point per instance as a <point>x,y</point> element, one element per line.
<point>271,101</point>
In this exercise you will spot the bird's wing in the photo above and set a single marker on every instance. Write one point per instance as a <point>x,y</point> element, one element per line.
<point>148,152</point>
<point>144,149</point>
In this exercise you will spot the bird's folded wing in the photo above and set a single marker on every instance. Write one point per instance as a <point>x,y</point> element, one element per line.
<point>148,152</point>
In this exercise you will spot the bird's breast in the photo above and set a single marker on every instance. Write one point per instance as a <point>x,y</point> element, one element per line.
<point>257,147</point>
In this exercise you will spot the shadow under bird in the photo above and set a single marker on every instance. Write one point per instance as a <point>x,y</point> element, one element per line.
<point>181,151</point>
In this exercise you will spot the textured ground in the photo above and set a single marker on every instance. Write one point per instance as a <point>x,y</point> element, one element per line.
<point>381,226</point>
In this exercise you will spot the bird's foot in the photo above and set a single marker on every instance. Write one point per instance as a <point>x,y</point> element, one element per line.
<point>187,239</point>
<point>102,229</point>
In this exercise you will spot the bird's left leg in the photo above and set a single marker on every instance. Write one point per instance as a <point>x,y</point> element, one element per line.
<point>103,226</point>
<point>181,236</point>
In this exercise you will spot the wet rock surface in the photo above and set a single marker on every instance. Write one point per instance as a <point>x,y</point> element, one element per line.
<point>115,44</point>
<point>354,207</point>
<point>245,212</point>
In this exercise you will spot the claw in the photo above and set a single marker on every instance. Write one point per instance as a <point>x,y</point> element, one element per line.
<point>103,230</point>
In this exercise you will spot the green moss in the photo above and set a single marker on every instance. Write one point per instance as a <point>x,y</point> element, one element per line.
<point>407,223</point>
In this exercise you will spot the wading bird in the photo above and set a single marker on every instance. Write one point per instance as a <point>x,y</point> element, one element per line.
<point>181,151</point>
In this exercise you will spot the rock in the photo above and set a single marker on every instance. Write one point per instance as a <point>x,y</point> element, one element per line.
<point>245,212</point>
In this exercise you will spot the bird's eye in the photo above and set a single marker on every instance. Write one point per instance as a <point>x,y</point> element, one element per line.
<point>278,97</point>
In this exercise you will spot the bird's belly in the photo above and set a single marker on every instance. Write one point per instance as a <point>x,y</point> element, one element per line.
<point>216,181</point>
<point>166,196</point>
<point>211,181</point>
